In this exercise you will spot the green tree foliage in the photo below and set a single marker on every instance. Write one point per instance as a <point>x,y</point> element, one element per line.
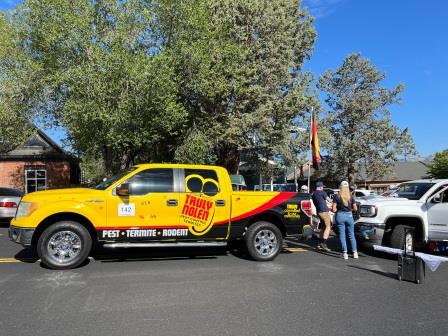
<point>406,145</point>
<point>359,121</point>
<point>17,77</point>
<point>439,166</point>
<point>161,80</point>
<point>240,68</point>
<point>101,76</point>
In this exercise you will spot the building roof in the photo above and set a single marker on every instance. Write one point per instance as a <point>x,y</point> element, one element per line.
<point>38,146</point>
<point>402,171</point>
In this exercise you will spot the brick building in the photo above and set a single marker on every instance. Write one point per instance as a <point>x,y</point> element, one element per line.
<point>38,164</point>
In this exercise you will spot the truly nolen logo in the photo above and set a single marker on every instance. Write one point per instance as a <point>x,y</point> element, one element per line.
<point>198,210</point>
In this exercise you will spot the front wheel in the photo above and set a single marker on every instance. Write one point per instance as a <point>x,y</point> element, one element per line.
<point>400,240</point>
<point>64,245</point>
<point>263,241</point>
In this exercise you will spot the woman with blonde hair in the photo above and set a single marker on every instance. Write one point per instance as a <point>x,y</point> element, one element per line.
<point>343,205</point>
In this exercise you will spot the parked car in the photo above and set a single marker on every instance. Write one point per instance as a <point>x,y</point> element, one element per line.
<point>238,182</point>
<point>363,195</point>
<point>290,187</point>
<point>9,200</point>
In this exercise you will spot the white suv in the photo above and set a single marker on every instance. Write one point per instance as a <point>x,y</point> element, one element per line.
<point>422,205</point>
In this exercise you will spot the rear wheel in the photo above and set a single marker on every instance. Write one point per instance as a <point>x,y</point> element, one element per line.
<point>263,241</point>
<point>399,239</point>
<point>64,245</point>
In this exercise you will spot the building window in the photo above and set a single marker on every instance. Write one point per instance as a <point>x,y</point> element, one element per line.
<point>35,179</point>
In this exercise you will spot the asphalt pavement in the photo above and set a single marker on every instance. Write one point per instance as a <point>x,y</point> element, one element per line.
<point>217,292</point>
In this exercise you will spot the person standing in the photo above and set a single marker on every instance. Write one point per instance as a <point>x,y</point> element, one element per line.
<point>343,205</point>
<point>304,189</point>
<point>320,199</point>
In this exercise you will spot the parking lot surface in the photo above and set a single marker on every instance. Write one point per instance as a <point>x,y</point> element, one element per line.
<point>216,292</point>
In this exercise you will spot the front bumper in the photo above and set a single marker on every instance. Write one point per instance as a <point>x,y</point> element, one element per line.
<point>19,235</point>
<point>369,233</point>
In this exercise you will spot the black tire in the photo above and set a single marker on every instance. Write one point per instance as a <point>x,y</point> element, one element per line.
<point>69,240</point>
<point>264,241</point>
<point>397,239</point>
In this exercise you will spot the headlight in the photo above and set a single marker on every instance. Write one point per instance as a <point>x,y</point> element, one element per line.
<point>368,211</point>
<point>26,209</point>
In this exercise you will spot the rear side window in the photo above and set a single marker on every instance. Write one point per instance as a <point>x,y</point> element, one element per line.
<point>10,192</point>
<point>201,181</point>
<point>151,181</point>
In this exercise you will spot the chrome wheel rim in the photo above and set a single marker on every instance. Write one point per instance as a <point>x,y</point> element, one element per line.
<point>409,243</point>
<point>64,246</point>
<point>265,242</point>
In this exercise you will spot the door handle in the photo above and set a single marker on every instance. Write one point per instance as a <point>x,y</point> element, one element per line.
<point>220,203</point>
<point>171,202</point>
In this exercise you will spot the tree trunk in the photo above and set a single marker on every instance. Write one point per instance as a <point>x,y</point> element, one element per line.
<point>351,173</point>
<point>229,158</point>
<point>108,160</point>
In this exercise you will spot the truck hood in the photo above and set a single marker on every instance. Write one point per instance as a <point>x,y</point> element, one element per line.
<point>384,201</point>
<point>64,194</point>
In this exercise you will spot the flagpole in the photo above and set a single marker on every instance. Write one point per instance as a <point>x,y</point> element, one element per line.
<point>311,149</point>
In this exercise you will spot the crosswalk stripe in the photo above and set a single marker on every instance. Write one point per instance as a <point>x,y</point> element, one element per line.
<point>295,249</point>
<point>9,260</point>
<point>14,260</point>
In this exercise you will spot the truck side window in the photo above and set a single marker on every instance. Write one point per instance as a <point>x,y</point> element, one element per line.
<point>151,181</point>
<point>201,180</point>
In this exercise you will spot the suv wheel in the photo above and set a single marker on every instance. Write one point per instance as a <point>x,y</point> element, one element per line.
<point>64,245</point>
<point>399,240</point>
<point>264,241</point>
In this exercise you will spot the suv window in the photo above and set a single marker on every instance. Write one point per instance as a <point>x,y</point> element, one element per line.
<point>201,180</point>
<point>151,181</point>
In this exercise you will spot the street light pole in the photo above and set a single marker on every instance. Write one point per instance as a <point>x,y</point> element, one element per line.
<point>295,178</point>
<point>296,130</point>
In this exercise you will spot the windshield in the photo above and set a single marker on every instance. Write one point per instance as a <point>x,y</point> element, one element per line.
<point>413,191</point>
<point>111,180</point>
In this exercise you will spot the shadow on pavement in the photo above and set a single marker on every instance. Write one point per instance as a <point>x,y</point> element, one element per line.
<point>4,223</point>
<point>27,255</point>
<point>377,254</point>
<point>154,254</point>
<point>386,274</point>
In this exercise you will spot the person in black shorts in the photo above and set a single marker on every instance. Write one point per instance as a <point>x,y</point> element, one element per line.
<point>320,199</point>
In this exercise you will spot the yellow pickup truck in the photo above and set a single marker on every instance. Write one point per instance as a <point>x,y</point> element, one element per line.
<point>157,205</point>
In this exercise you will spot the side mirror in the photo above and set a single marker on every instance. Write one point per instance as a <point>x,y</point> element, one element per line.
<point>123,189</point>
<point>436,199</point>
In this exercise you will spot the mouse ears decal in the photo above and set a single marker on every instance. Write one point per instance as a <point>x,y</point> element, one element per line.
<point>197,184</point>
<point>198,209</point>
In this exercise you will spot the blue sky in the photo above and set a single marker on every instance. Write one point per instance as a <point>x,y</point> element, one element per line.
<point>407,39</point>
